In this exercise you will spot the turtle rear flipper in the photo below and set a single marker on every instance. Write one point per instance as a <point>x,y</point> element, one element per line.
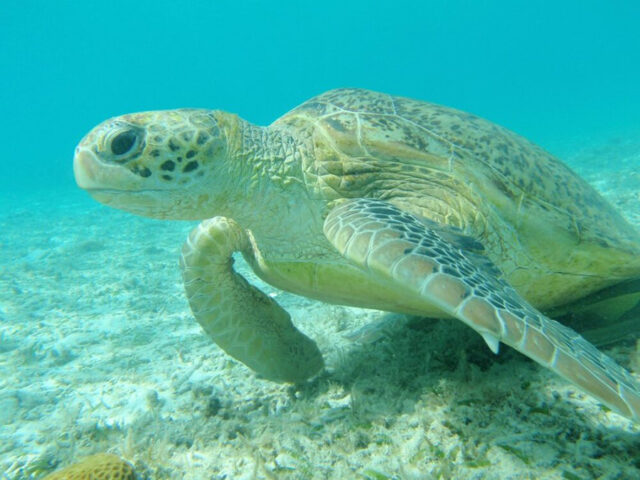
<point>247,324</point>
<point>404,250</point>
<point>611,315</point>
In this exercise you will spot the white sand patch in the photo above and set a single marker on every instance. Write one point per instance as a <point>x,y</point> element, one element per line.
<point>99,352</point>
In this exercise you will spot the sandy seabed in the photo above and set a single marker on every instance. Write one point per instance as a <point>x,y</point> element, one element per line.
<point>99,352</point>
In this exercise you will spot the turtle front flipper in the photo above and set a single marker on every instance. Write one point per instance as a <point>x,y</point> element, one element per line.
<point>242,320</point>
<point>443,267</point>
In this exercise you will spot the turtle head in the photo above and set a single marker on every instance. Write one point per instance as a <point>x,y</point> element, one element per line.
<point>162,164</point>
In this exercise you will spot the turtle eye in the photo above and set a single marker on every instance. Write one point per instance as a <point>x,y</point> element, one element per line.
<point>123,142</point>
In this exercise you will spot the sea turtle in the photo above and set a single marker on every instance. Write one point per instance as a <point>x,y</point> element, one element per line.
<point>366,199</point>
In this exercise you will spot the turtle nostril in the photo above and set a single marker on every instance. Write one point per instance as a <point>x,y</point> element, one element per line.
<point>123,142</point>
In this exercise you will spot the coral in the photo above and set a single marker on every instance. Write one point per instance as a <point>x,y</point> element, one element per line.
<point>102,466</point>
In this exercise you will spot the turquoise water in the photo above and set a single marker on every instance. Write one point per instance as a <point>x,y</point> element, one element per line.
<point>98,349</point>
<point>548,70</point>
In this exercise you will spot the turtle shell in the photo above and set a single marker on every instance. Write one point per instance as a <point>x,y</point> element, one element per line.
<point>553,236</point>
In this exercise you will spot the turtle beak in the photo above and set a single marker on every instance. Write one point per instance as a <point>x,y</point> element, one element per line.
<point>91,174</point>
<point>84,169</point>
<point>116,186</point>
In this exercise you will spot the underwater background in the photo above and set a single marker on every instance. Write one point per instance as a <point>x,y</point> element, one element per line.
<point>98,349</point>
<point>548,70</point>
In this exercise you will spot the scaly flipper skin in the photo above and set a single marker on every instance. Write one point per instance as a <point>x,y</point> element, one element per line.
<point>242,320</point>
<point>431,261</point>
